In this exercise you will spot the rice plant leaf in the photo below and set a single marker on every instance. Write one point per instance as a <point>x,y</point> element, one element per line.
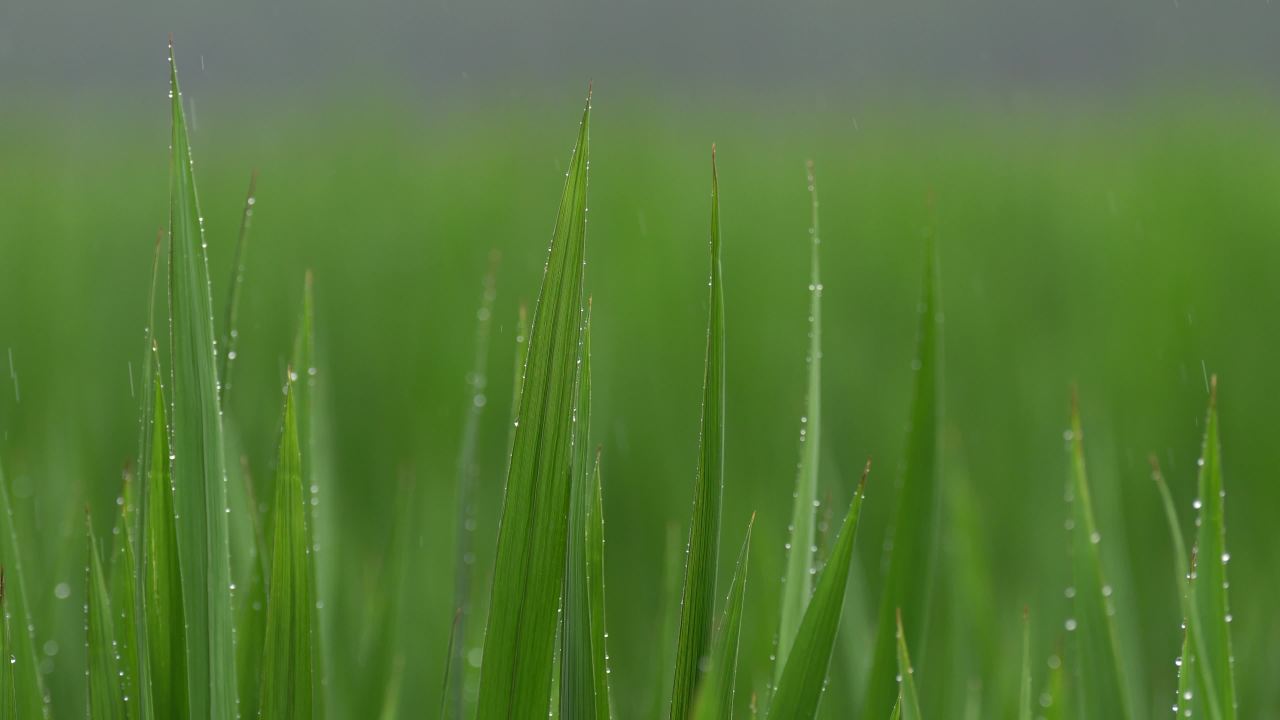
<point>199,472</point>
<point>699,596</point>
<point>106,696</point>
<point>1211,576</point>
<point>1100,686</point>
<point>1024,683</point>
<point>906,677</point>
<point>914,532</point>
<point>288,662</point>
<point>595,590</point>
<point>231,330</point>
<point>805,675</point>
<point>529,568</point>
<point>8,689</point>
<point>664,654</point>
<point>162,583</point>
<point>797,582</point>
<point>123,585</point>
<point>28,686</point>
<point>715,694</point>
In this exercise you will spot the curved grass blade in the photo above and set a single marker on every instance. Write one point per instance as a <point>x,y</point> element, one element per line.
<point>231,331</point>
<point>914,535</point>
<point>529,569</point>
<point>106,696</point>
<point>29,693</point>
<point>715,694</point>
<point>1100,690</point>
<point>906,677</point>
<point>1024,683</point>
<point>805,676</point>
<point>199,472</point>
<point>798,580</point>
<point>288,661</point>
<point>1211,579</point>
<point>124,603</point>
<point>698,600</point>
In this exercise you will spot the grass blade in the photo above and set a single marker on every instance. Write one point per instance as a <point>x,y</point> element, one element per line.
<point>595,590</point>
<point>715,695</point>
<point>805,676</point>
<point>29,693</point>
<point>106,696</point>
<point>124,603</point>
<point>1024,683</point>
<point>8,688</point>
<point>910,701</point>
<point>896,713</point>
<point>1100,686</point>
<point>698,601</point>
<point>914,535</point>
<point>665,644</point>
<point>231,331</point>
<point>1211,576</point>
<point>798,580</point>
<point>529,568</point>
<point>288,664</point>
<point>200,493</point>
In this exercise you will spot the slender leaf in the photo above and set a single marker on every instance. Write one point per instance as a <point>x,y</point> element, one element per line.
<point>529,569</point>
<point>231,330</point>
<point>28,686</point>
<point>124,604</point>
<point>797,583</point>
<point>702,556</point>
<point>106,695</point>
<point>715,694</point>
<point>914,534</point>
<point>896,713</point>
<point>393,698</point>
<point>906,677</point>
<point>199,472</point>
<point>8,686</point>
<point>1024,683</point>
<point>665,644</point>
<point>805,676</point>
<point>595,592</point>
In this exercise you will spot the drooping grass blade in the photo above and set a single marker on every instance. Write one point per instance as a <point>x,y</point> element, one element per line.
<point>1211,577</point>
<point>288,658</point>
<point>231,330</point>
<point>906,676</point>
<point>1100,687</point>
<point>28,685</point>
<point>716,693</point>
<point>199,472</point>
<point>805,675</point>
<point>529,568</point>
<point>797,583</point>
<point>914,532</point>
<point>106,695</point>
<point>699,596</point>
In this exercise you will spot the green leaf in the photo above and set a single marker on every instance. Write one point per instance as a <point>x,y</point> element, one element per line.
<point>665,644</point>
<point>28,686</point>
<point>528,575</point>
<point>797,583</point>
<point>595,590</point>
<point>199,472</point>
<point>8,686</point>
<point>805,675</point>
<point>231,331</point>
<point>124,603</point>
<point>288,660</point>
<point>906,677</point>
<point>896,713</point>
<point>1100,683</point>
<point>715,694</point>
<point>1211,577</point>
<point>914,534</point>
<point>1024,683</point>
<point>698,600</point>
<point>106,696</point>
<point>393,692</point>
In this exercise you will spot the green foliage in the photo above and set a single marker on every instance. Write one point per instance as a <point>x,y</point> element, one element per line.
<point>714,699</point>
<point>106,692</point>
<point>24,674</point>
<point>910,702</point>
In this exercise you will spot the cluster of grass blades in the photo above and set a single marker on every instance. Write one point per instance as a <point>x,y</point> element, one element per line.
<point>207,605</point>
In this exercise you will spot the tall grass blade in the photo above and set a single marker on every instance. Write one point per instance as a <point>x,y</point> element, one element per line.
<point>1211,577</point>
<point>106,695</point>
<point>896,713</point>
<point>288,661</point>
<point>200,493</point>
<point>124,603</point>
<point>29,692</point>
<point>805,676</point>
<point>698,600</point>
<point>231,329</point>
<point>715,694</point>
<point>797,582</point>
<point>529,568</point>
<point>910,700</point>
<point>665,644</point>
<point>1100,687</point>
<point>595,592</point>
<point>8,688</point>
<point>914,534</point>
<point>1024,682</point>
<point>445,693</point>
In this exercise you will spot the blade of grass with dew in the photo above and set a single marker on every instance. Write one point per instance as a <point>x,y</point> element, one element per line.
<point>715,694</point>
<point>231,331</point>
<point>391,612</point>
<point>123,585</point>
<point>896,713</point>
<point>530,560</point>
<point>1100,690</point>
<point>106,696</point>
<point>288,662</point>
<point>1195,678</point>
<point>797,583</point>
<point>1211,578</point>
<point>914,536</point>
<point>595,590</point>
<point>28,685</point>
<point>906,676</point>
<point>199,472</point>
<point>697,604</point>
<point>581,676</point>
<point>669,615</point>
<point>468,470</point>
<point>1024,681</point>
<point>805,676</point>
<point>8,687</point>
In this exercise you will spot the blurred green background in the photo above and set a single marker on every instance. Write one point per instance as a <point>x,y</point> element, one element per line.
<point>1127,242</point>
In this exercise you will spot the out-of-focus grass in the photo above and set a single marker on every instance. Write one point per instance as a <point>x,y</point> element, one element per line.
<point>1134,252</point>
